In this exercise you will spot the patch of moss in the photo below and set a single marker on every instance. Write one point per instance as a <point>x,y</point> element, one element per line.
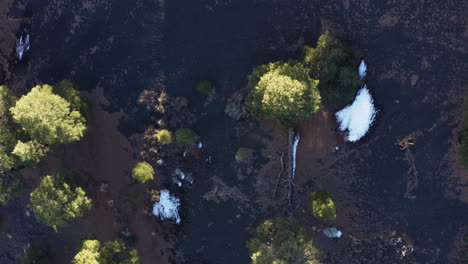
<point>164,137</point>
<point>244,154</point>
<point>204,87</point>
<point>185,136</point>
<point>322,205</point>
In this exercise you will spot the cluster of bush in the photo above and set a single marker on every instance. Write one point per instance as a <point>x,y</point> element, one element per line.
<point>45,116</point>
<point>29,127</point>
<point>293,91</point>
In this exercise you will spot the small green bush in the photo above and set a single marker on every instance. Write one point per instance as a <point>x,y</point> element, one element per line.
<point>334,63</point>
<point>283,241</point>
<point>70,92</point>
<point>186,136</point>
<point>37,254</point>
<point>30,152</point>
<point>112,252</point>
<point>244,154</point>
<point>322,205</point>
<point>10,187</point>
<point>143,172</point>
<point>204,87</point>
<point>164,137</point>
<point>56,203</point>
<point>463,148</point>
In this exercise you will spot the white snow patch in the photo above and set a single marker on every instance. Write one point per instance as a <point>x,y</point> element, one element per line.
<point>332,232</point>
<point>362,69</point>
<point>167,207</point>
<point>22,46</point>
<point>359,116</point>
<point>180,173</point>
<point>294,150</point>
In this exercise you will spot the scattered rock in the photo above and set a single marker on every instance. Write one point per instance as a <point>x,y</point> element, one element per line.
<point>236,107</point>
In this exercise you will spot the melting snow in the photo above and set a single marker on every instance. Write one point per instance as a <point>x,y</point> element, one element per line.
<point>359,116</point>
<point>332,232</point>
<point>294,150</point>
<point>362,69</point>
<point>22,46</point>
<point>167,207</point>
<point>180,173</point>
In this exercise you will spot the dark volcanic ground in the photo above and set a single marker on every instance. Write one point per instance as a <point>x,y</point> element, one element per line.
<point>416,52</point>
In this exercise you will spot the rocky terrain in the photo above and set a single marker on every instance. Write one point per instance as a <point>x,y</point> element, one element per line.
<point>139,62</point>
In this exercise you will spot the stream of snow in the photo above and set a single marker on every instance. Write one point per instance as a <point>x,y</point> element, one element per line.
<point>362,69</point>
<point>22,46</point>
<point>294,150</point>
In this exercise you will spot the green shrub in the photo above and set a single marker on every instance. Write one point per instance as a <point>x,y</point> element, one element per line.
<point>37,254</point>
<point>112,252</point>
<point>283,241</point>
<point>322,205</point>
<point>69,91</point>
<point>10,187</point>
<point>55,203</point>
<point>464,251</point>
<point>143,172</point>
<point>284,92</point>
<point>47,117</point>
<point>204,87</point>
<point>244,154</point>
<point>30,152</point>
<point>164,137</point>
<point>334,63</point>
<point>463,148</point>
<point>8,135</point>
<point>185,136</point>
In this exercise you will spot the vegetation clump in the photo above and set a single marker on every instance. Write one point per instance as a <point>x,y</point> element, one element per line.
<point>282,241</point>
<point>8,137</point>
<point>164,137</point>
<point>112,252</point>
<point>244,154</point>
<point>37,253</point>
<point>322,205</point>
<point>143,172</point>
<point>205,87</point>
<point>30,152</point>
<point>463,148</point>
<point>9,187</point>
<point>56,203</point>
<point>39,119</point>
<point>334,63</point>
<point>47,117</point>
<point>185,136</point>
<point>283,91</point>
<point>70,92</point>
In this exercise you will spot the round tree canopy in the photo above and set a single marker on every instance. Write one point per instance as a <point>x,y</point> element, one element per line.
<point>47,117</point>
<point>285,92</point>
